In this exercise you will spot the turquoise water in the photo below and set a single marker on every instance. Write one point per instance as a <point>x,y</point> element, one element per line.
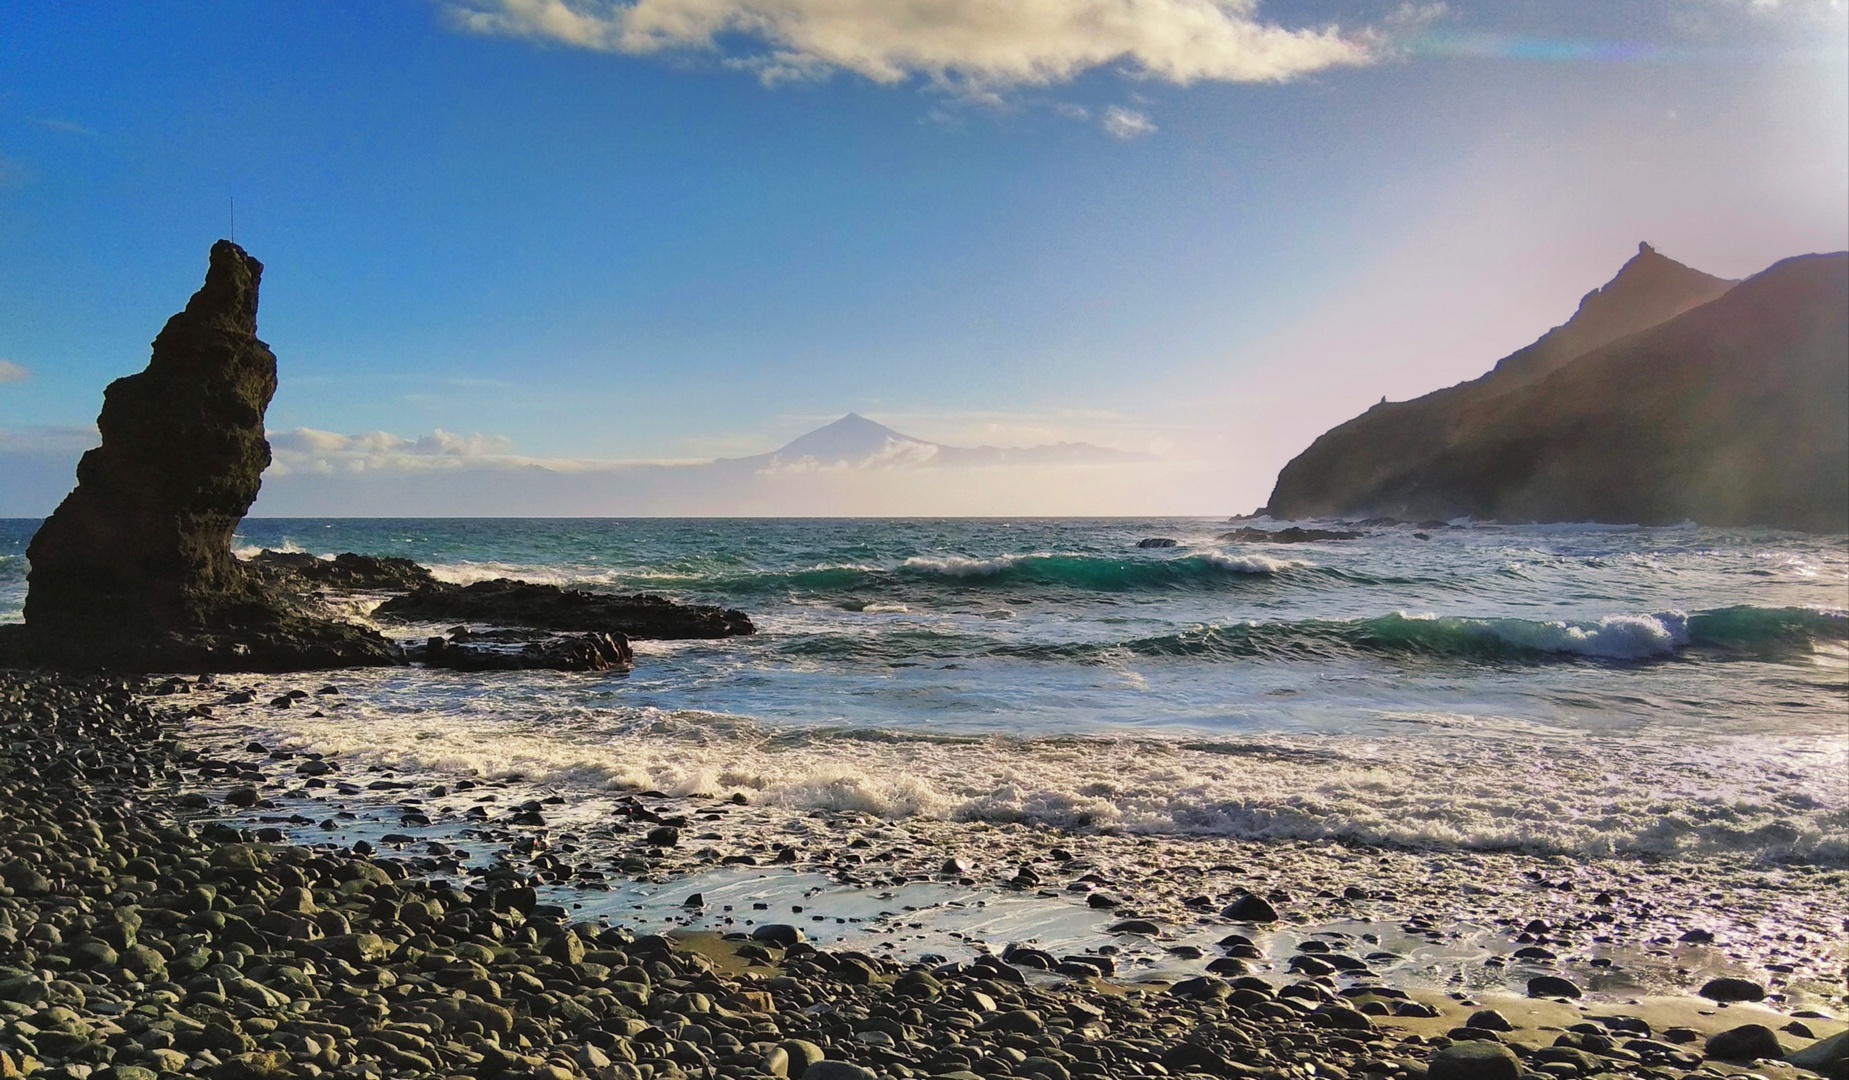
<point>1577,689</point>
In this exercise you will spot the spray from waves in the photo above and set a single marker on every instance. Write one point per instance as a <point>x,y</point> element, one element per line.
<point>468,573</point>
<point>287,547</point>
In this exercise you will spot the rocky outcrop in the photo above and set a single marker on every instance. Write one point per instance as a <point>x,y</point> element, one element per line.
<point>1292,535</point>
<point>134,570</point>
<point>462,650</point>
<point>346,572</point>
<point>503,602</point>
<point>1734,411</point>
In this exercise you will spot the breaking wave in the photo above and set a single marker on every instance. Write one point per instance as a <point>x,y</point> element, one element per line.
<point>1727,633</point>
<point>1735,630</point>
<point>1077,572</point>
<point>1099,573</point>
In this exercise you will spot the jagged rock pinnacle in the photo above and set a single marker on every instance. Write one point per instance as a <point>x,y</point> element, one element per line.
<point>137,560</point>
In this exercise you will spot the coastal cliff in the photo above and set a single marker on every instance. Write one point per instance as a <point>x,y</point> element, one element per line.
<point>1671,396</point>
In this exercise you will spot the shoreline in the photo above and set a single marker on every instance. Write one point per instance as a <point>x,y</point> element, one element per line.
<point>403,990</point>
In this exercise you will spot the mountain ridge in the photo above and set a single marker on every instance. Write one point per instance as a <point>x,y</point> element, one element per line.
<point>1515,444</point>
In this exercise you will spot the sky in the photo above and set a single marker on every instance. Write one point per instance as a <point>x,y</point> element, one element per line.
<point>591,236</point>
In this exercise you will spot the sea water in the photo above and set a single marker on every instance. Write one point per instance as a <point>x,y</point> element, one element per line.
<point>1570,690</point>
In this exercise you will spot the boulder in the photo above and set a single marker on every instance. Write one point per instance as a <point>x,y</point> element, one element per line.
<point>1552,986</point>
<point>1732,989</point>
<point>1747,1042</point>
<point>1250,908</point>
<point>134,570</point>
<point>1475,1060</point>
<point>1823,1053</point>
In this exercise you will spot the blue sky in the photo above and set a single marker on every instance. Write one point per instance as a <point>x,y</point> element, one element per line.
<point>595,231</point>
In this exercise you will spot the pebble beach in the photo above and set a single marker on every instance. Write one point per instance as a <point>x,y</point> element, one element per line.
<point>176,903</point>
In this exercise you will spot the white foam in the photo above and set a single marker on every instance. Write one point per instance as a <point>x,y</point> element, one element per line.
<point>1252,564</point>
<point>468,573</point>
<point>958,566</point>
<point>1487,785</point>
<point>287,547</point>
<point>1614,637</point>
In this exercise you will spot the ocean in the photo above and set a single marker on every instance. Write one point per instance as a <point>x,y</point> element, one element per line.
<point>1583,691</point>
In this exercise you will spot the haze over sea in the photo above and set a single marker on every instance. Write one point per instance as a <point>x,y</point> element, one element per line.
<point>1580,690</point>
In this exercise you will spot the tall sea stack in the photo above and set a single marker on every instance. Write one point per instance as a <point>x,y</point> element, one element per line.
<point>134,570</point>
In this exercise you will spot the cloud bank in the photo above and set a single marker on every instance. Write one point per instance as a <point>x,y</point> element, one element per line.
<point>980,45</point>
<point>311,451</point>
<point>11,372</point>
<point>852,466</point>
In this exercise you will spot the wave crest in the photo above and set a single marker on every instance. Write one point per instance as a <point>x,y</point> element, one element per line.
<point>1101,573</point>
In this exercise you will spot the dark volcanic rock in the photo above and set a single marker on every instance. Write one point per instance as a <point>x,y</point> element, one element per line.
<point>503,602</point>
<point>349,572</point>
<point>134,570</point>
<point>576,652</point>
<point>1670,396</point>
<point>1157,542</point>
<point>1292,535</point>
<point>1732,989</point>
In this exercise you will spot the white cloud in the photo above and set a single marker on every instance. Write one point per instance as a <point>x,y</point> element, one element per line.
<point>11,372</point>
<point>1711,17</point>
<point>309,450</point>
<point>1410,14</point>
<point>1799,6</point>
<point>1126,123</point>
<point>973,45</point>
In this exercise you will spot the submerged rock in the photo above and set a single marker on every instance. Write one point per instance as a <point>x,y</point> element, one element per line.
<point>134,570</point>
<point>504,602</point>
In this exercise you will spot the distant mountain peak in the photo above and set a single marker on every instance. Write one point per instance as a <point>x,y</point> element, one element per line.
<point>857,442</point>
<point>851,439</point>
<point>1649,289</point>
